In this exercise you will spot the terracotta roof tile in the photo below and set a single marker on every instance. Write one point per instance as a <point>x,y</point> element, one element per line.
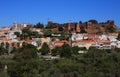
<point>60,43</point>
<point>28,41</point>
<point>85,41</point>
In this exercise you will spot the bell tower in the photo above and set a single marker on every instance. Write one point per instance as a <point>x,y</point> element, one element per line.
<point>15,25</point>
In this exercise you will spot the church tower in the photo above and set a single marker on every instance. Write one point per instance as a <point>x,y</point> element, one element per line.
<point>15,25</point>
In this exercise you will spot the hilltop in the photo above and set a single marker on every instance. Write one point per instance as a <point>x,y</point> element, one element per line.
<point>91,26</point>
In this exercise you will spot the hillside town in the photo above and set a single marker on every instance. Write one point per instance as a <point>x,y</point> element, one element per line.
<point>99,35</point>
<point>59,38</point>
<point>70,49</point>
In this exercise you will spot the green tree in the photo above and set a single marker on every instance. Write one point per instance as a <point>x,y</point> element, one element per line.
<point>17,34</point>
<point>92,49</point>
<point>95,62</point>
<point>118,36</point>
<point>24,44</point>
<point>3,74</point>
<point>47,33</point>
<point>2,50</point>
<point>45,49</point>
<point>82,30</point>
<point>65,51</point>
<point>26,33</point>
<point>13,44</point>
<point>35,34</point>
<point>7,47</point>
<point>25,62</point>
<point>39,25</point>
<point>18,44</point>
<point>30,50</point>
<point>2,44</point>
<point>80,22</point>
<point>64,36</point>
<point>55,51</point>
<point>49,26</point>
<point>60,28</point>
<point>93,21</point>
<point>75,49</point>
<point>110,29</point>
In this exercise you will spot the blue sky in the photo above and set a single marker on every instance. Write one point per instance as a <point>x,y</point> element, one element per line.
<point>61,11</point>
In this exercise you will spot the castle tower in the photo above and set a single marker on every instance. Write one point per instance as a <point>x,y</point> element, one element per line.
<point>89,25</point>
<point>78,28</point>
<point>69,27</point>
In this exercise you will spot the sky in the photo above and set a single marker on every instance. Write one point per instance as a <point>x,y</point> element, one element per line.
<point>60,11</point>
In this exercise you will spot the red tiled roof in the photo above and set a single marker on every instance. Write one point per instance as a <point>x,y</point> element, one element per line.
<point>5,39</point>
<point>60,43</point>
<point>104,41</point>
<point>5,31</point>
<point>17,46</point>
<point>28,41</point>
<point>85,41</point>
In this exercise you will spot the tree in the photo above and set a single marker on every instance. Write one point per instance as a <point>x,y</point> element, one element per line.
<point>7,47</point>
<point>25,62</point>
<point>80,22</point>
<point>60,28</point>
<point>92,49</point>
<point>45,49</point>
<point>110,29</point>
<point>2,50</point>
<point>93,21</point>
<point>49,26</point>
<point>2,44</point>
<point>47,33</point>
<point>35,34</point>
<point>17,34</point>
<point>3,74</point>
<point>82,30</point>
<point>26,33</point>
<point>18,44</point>
<point>64,36</point>
<point>75,49</point>
<point>65,51</point>
<point>12,44</point>
<point>24,44</point>
<point>118,36</point>
<point>55,51</point>
<point>30,50</point>
<point>39,25</point>
<point>95,62</point>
